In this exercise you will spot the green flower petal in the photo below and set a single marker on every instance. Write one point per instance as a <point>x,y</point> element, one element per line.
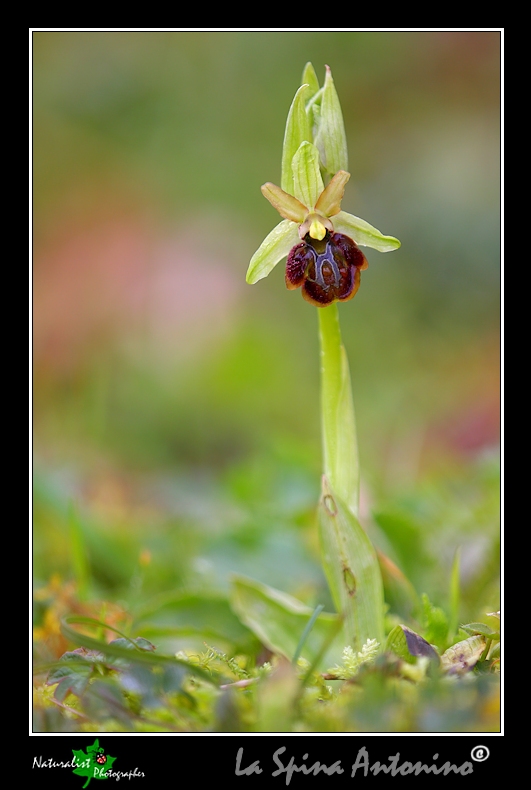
<point>297,131</point>
<point>307,180</point>
<point>363,233</point>
<point>273,248</point>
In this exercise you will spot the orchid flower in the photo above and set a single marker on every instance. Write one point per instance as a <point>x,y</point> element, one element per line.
<point>319,240</point>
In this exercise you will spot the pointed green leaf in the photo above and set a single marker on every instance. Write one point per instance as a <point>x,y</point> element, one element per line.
<point>204,613</point>
<point>279,620</point>
<point>480,629</point>
<point>363,233</point>
<point>352,571</point>
<point>73,684</point>
<point>310,78</point>
<point>136,656</point>
<point>307,630</point>
<point>274,247</point>
<point>58,673</point>
<point>397,644</point>
<point>298,130</point>
<point>409,646</point>
<point>331,139</point>
<point>307,180</point>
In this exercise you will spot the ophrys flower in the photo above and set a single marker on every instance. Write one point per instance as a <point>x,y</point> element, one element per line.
<point>320,240</point>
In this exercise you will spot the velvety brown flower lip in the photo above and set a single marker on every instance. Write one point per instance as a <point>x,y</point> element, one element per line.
<point>329,270</point>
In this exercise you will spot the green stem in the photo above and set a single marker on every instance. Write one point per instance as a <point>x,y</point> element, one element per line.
<point>340,447</point>
<point>349,559</point>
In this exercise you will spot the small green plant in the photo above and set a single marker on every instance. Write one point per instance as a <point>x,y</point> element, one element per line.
<point>323,257</point>
<point>266,662</point>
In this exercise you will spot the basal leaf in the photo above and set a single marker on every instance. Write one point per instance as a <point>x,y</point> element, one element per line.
<point>279,620</point>
<point>207,614</point>
<point>116,651</point>
<point>352,570</point>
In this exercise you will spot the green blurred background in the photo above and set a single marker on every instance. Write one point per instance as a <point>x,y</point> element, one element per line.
<point>176,409</point>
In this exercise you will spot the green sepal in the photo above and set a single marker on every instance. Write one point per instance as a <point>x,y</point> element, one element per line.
<point>307,180</point>
<point>273,248</point>
<point>298,130</point>
<point>352,571</point>
<point>331,139</point>
<point>309,77</point>
<point>364,234</point>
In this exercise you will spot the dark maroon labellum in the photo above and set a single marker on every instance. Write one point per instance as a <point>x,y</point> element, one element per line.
<point>328,270</point>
